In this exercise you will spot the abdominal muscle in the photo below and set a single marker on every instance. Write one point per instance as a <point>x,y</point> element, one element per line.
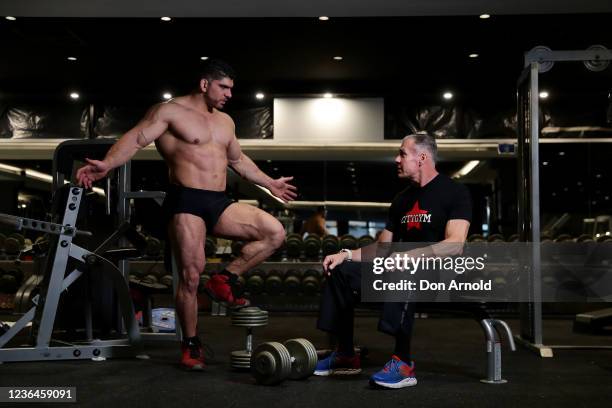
<point>202,166</point>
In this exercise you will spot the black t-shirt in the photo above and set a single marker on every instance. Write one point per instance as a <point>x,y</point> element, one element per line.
<point>420,214</point>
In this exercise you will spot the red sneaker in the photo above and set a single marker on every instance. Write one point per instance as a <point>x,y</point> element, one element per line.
<point>221,289</point>
<point>192,357</point>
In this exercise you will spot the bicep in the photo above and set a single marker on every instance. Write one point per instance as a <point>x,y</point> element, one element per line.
<point>151,127</point>
<point>456,230</point>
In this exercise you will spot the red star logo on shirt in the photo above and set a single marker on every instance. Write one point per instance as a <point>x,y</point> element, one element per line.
<point>413,214</point>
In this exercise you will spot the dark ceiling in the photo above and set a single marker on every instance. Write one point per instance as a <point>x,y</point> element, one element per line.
<point>402,57</point>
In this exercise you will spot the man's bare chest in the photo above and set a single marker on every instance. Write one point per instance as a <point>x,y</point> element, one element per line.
<point>195,129</point>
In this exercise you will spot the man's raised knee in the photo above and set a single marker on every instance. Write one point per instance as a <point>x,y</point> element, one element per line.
<point>276,235</point>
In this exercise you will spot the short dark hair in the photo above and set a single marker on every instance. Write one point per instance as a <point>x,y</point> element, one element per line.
<point>215,69</point>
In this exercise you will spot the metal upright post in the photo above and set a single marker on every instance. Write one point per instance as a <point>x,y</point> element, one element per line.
<point>60,261</point>
<point>534,141</point>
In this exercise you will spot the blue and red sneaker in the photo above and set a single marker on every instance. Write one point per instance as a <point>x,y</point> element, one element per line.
<point>337,364</point>
<point>395,374</point>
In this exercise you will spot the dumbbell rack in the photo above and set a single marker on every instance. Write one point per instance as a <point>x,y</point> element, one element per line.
<point>43,312</point>
<point>288,302</point>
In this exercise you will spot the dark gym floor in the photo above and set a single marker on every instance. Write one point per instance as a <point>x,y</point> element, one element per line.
<point>449,354</point>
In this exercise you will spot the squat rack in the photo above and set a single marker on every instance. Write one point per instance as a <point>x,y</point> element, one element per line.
<point>539,60</point>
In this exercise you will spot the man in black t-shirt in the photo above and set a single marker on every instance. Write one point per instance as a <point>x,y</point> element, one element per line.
<point>434,208</point>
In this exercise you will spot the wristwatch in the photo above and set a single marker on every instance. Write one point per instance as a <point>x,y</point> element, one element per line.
<point>349,252</point>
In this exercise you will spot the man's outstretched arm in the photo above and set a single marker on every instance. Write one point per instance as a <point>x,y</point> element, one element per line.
<point>150,128</point>
<point>244,166</point>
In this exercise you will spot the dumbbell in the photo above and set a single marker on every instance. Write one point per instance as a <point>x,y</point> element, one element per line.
<point>12,246</point>
<point>546,239</point>
<point>274,282</point>
<point>291,284</point>
<point>604,238</point>
<point>496,238</point>
<point>255,281</point>
<point>348,241</point>
<point>312,246</point>
<point>248,317</point>
<point>8,284</point>
<point>513,238</point>
<point>476,238</point>
<point>153,248</point>
<point>17,274</point>
<point>41,244</point>
<point>365,240</point>
<point>294,243</point>
<point>149,279</point>
<point>273,362</point>
<point>237,247</point>
<point>210,247</point>
<point>585,238</point>
<point>310,282</point>
<point>564,238</point>
<point>330,245</point>
<point>167,280</point>
<point>2,239</point>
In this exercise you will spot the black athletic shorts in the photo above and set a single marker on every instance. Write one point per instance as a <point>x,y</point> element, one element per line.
<point>208,205</point>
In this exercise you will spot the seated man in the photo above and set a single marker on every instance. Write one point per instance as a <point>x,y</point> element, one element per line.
<point>448,210</point>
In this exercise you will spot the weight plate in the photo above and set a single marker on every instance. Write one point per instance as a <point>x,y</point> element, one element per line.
<point>270,363</point>
<point>255,322</point>
<point>250,325</point>
<point>251,310</point>
<point>303,358</point>
<point>250,321</point>
<point>240,359</point>
<point>544,66</point>
<point>597,64</point>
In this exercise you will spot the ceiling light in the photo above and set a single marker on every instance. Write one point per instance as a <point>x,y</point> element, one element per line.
<point>323,18</point>
<point>166,18</point>
<point>11,18</point>
<point>473,55</point>
<point>561,153</point>
<point>259,95</point>
<point>74,95</point>
<point>485,16</point>
<point>543,95</point>
<point>447,95</point>
<point>545,163</point>
<point>71,58</point>
<point>203,58</point>
<point>338,58</point>
<point>328,95</point>
<point>167,95</point>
